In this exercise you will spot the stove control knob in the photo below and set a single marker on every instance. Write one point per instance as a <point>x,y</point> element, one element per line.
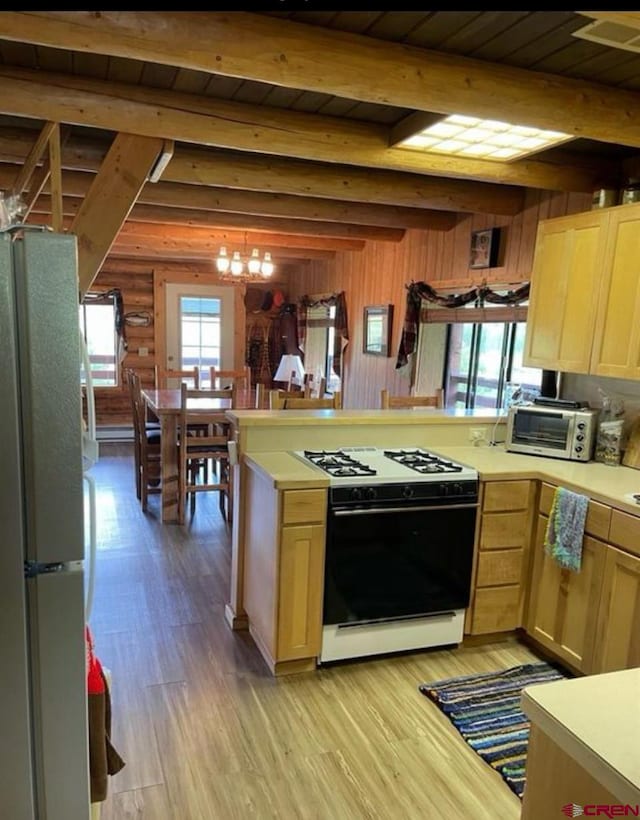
<point>371,494</point>
<point>579,438</point>
<point>578,449</point>
<point>444,489</point>
<point>408,491</point>
<point>356,494</point>
<point>457,489</point>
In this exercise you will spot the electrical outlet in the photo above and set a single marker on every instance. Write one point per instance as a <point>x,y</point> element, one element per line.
<point>143,351</point>
<point>477,434</point>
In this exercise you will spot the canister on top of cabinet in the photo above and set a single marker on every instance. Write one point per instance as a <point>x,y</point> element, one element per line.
<point>631,192</point>
<point>604,198</point>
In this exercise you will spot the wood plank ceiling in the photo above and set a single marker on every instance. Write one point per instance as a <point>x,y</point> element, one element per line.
<point>282,120</point>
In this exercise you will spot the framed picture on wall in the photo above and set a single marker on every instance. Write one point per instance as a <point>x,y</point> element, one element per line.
<point>376,334</point>
<point>484,248</point>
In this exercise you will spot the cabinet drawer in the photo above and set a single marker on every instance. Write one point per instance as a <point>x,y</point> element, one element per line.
<point>499,567</point>
<point>625,531</point>
<point>506,495</point>
<point>500,530</point>
<point>598,515</point>
<point>304,506</point>
<point>496,609</point>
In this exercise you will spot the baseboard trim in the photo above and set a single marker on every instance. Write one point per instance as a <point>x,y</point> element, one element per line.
<point>114,433</point>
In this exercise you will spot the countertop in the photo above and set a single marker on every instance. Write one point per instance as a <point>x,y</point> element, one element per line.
<point>297,418</point>
<point>601,482</point>
<point>596,721</point>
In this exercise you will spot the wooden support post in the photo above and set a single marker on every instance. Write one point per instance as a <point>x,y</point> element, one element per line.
<point>56,179</point>
<point>26,172</point>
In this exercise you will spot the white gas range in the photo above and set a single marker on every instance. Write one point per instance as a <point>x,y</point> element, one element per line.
<point>399,547</point>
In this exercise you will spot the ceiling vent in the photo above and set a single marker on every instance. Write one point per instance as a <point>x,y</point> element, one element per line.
<point>614,35</point>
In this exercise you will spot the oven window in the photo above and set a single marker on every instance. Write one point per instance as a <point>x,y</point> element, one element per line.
<point>385,566</point>
<point>541,429</point>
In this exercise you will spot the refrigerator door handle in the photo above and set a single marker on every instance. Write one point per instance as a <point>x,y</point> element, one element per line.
<point>35,568</point>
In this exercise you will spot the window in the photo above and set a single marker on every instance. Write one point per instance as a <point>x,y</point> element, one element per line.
<point>200,329</point>
<point>318,353</point>
<point>98,326</point>
<point>481,358</point>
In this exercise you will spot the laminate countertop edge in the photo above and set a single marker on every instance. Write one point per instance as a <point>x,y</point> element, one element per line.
<point>286,472</point>
<point>596,721</point>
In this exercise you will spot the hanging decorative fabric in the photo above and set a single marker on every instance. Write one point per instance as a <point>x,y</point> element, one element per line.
<point>417,291</point>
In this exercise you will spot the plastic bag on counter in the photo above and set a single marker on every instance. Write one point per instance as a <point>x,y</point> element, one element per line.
<point>11,210</point>
<point>610,427</point>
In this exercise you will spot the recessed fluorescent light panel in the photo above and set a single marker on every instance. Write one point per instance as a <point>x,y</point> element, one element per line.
<point>482,139</point>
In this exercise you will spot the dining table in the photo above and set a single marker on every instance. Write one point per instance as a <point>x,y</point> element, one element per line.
<point>165,404</point>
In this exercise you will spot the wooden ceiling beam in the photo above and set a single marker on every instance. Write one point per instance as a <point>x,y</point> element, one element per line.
<point>238,240</point>
<point>215,219</point>
<point>169,248</point>
<point>76,184</point>
<point>573,172</point>
<point>111,196</point>
<point>226,124</point>
<point>297,55</point>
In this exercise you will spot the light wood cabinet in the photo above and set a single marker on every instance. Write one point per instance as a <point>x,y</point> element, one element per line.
<point>563,605</point>
<point>616,346</point>
<point>284,572</point>
<point>565,280</point>
<point>584,308</point>
<point>618,633</point>
<point>501,559</point>
<point>300,588</point>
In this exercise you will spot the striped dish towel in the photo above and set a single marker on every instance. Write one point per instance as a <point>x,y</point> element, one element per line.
<point>565,528</point>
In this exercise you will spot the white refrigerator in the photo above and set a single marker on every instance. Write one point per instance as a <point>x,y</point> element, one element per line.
<point>43,702</point>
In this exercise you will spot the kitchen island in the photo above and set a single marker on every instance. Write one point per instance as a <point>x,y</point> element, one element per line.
<point>521,488</point>
<point>584,746</point>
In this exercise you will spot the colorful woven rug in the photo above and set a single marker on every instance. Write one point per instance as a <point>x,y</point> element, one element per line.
<point>485,709</point>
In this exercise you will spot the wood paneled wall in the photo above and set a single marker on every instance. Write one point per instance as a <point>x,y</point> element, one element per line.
<point>379,273</point>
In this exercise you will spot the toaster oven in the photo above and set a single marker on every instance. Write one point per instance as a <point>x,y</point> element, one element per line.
<point>552,431</point>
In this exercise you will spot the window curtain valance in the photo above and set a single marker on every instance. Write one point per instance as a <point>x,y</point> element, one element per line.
<point>417,291</point>
<point>341,335</point>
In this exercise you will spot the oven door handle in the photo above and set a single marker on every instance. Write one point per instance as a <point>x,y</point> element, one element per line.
<point>385,510</point>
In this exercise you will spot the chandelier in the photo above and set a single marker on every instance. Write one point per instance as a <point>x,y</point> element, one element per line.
<point>241,268</point>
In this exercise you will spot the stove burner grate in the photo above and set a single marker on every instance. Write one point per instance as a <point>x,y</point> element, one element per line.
<point>422,462</point>
<point>337,463</point>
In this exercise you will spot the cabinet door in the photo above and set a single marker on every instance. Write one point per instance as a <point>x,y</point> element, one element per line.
<point>564,290</point>
<point>563,605</point>
<point>300,592</point>
<point>616,348</point>
<point>618,634</point>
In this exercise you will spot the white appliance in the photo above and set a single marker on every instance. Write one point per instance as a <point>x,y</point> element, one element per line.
<point>399,549</point>
<point>43,708</point>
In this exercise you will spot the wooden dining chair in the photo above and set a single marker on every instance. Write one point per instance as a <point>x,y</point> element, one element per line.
<point>240,378</point>
<point>168,378</point>
<point>388,402</point>
<point>278,401</point>
<point>314,388</point>
<point>146,446</point>
<point>195,450</point>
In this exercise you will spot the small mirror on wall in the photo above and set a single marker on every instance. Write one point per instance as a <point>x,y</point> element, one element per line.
<point>377,330</point>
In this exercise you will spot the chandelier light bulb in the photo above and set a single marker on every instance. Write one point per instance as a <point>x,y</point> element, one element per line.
<point>254,262</point>
<point>267,266</point>
<point>237,264</point>
<point>222,262</point>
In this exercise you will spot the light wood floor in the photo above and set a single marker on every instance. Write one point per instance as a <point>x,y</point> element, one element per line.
<point>208,734</point>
